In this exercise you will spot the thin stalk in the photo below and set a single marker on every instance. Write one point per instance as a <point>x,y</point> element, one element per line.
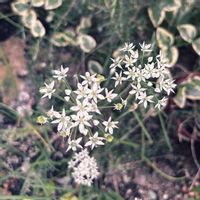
<point>143,127</point>
<point>167,140</point>
<point>171,178</point>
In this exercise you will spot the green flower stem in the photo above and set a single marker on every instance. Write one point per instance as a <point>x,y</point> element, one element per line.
<point>143,127</point>
<point>167,140</point>
<point>123,115</point>
<point>142,145</point>
<point>128,143</point>
<point>171,178</point>
<point>102,107</point>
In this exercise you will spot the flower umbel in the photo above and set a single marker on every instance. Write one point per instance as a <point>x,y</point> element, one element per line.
<point>84,168</point>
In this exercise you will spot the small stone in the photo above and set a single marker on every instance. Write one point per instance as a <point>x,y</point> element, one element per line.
<point>152,195</point>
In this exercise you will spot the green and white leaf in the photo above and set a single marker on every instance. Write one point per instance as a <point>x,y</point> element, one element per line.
<point>171,5</point>
<point>37,3</point>
<point>172,55</point>
<point>85,23</point>
<point>20,7</point>
<point>180,97</point>
<point>156,16</point>
<point>164,38</point>
<point>188,32</point>
<point>71,36</point>
<point>37,29</point>
<point>95,67</point>
<point>29,18</point>
<point>196,46</point>
<point>87,43</point>
<point>193,88</point>
<point>60,40</point>
<point>52,4</point>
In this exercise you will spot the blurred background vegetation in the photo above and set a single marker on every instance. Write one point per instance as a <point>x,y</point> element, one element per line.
<point>38,36</point>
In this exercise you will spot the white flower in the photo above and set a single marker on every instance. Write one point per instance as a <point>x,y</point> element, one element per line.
<point>145,99</point>
<point>48,90</point>
<point>110,125</point>
<point>118,78</point>
<point>94,108</point>
<point>145,47</point>
<point>124,102</point>
<point>140,75</point>
<point>51,113</point>
<point>94,141</point>
<point>88,79</point>
<point>135,55</point>
<point>74,144</point>
<point>161,103</point>
<point>84,168</point>
<point>131,73</point>
<point>137,90</point>
<point>128,47</point>
<point>109,95</point>
<point>160,72</point>
<point>116,63</point>
<point>82,91</point>
<point>62,120</point>
<point>129,61</point>
<point>95,92</point>
<point>167,85</point>
<point>60,74</point>
<point>82,121</point>
<point>96,122</point>
<point>149,70</point>
<point>67,97</point>
<point>81,107</point>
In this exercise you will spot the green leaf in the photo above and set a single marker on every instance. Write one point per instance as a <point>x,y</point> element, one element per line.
<point>87,43</point>
<point>196,46</point>
<point>156,15</point>
<point>188,32</point>
<point>52,4</point>
<point>37,3</point>
<point>68,196</point>
<point>95,67</point>
<point>37,29</point>
<point>29,18</point>
<point>113,195</point>
<point>180,97</point>
<point>20,7</point>
<point>164,38</point>
<point>172,55</point>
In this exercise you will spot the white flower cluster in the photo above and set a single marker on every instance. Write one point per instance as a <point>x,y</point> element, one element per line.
<point>82,111</point>
<point>84,168</point>
<point>148,77</point>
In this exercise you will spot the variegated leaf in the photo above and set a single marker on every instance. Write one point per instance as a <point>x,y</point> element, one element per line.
<point>164,38</point>
<point>52,4</point>
<point>87,43</point>
<point>37,29</point>
<point>95,67</point>
<point>196,46</point>
<point>20,7</point>
<point>188,32</point>
<point>29,18</point>
<point>156,16</point>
